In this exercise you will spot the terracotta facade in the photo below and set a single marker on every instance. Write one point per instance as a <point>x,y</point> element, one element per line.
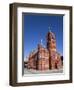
<point>45,58</point>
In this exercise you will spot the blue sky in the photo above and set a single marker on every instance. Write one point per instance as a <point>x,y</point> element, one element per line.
<point>36,28</point>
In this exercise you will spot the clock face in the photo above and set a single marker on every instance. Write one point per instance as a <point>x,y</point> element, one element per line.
<point>53,37</point>
<point>40,56</point>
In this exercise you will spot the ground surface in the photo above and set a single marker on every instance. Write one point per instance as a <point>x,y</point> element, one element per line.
<point>31,71</point>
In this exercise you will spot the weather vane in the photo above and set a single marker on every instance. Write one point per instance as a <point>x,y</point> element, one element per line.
<point>41,41</point>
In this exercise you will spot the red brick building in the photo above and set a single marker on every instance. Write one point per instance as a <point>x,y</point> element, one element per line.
<point>45,58</point>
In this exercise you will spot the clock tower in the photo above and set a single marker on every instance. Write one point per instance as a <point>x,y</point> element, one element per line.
<point>51,46</point>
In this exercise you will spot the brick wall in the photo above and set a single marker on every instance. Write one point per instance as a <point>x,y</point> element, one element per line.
<point>45,58</point>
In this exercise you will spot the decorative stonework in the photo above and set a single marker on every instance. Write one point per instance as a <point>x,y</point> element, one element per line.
<point>45,58</point>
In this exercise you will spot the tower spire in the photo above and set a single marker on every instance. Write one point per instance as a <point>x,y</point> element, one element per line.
<point>49,29</point>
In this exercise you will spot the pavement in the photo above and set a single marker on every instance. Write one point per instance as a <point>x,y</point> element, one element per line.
<point>31,71</point>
